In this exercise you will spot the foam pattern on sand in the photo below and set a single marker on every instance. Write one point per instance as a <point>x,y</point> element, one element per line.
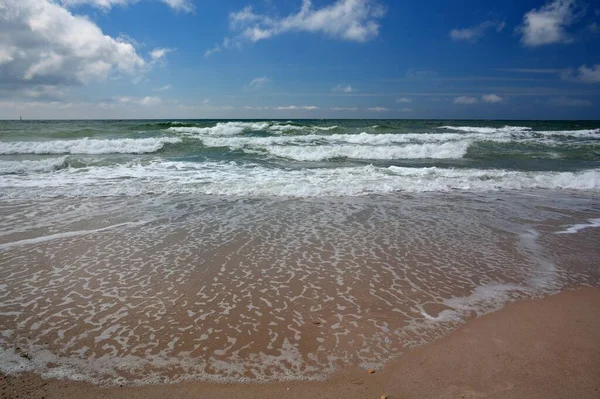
<point>191,287</point>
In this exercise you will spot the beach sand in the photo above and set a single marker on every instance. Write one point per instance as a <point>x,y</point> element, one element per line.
<point>547,348</point>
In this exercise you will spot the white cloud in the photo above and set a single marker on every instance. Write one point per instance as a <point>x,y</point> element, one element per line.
<point>257,83</point>
<point>404,100</point>
<point>353,20</point>
<point>491,98</point>
<point>163,88</point>
<point>211,51</point>
<point>546,25</point>
<point>378,109</point>
<point>584,74</point>
<point>44,44</point>
<point>569,102</point>
<point>295,107</point>
<point>218,47</point>
<point>43,92</point>
<point>132,107</point>
<point>143,101</point>
<point>178,5</point>
<point>465,100</point>
<point>476,32</point>
<point>343,89</point>
<point>344,109</point>
<point>256,108</point>
<point>407,110</point>
<point>160,53</point>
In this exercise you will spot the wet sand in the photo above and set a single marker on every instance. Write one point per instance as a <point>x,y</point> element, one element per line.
<point>548,348</point>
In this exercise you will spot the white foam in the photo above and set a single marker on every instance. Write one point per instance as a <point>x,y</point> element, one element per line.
<point>67,234</point>
<point>220,178</point>
<point>222,128</point>
<point>454,150</point>
<point>474,129</point>
<point>576,228</point>
<point>235,128</point>
<point>87,146</point>
<point>585,133</point>
<point>26,166</point>
<point>484,298</point>
<point>361,138</point>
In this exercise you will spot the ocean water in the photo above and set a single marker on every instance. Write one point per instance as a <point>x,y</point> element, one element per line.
<point>294,158</point>
<point>144,252</point>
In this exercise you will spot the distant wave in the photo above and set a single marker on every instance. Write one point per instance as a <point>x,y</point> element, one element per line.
<point>474,129</point>
<point>454,150</point>
<point>235,128</point>
<point>87,146</point>
<point>582,133</point>
<point>222,128</point>
<point>361,138</point>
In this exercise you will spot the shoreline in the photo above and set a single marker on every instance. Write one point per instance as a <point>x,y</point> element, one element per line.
<point>542,348</point>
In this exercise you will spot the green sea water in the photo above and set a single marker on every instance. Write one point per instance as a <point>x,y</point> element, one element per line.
<point>320,157</point>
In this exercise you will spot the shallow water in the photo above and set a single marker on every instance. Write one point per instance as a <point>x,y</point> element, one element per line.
<point>136,252</point>
<point>165,288</point>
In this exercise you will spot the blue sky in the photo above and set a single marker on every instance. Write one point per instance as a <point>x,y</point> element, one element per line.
<point>300,59</point>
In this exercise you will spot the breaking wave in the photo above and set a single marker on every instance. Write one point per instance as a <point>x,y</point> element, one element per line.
<point>221,178</point>
<point>87,146</point>
<point>27,166</point>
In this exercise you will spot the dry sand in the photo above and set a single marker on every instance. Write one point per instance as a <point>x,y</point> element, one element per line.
<point>547,348</point>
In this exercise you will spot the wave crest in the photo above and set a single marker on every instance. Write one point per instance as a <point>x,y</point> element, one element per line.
<point>26,166</point>
<point>87,146</point>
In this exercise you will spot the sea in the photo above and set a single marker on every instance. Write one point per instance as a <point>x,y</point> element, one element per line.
<point>140,252</point>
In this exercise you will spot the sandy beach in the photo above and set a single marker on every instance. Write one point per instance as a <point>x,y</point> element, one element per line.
<point>357,199</point>
<point>547,348</point>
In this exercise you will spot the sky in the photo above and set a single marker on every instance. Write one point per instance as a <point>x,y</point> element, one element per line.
<point>286,59</point>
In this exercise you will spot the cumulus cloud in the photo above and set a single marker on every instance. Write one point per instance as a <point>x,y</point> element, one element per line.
<point>476,32</point>
<point>43,44</point>
<point>160,53</point>
<point>178,5</point>
<point>295,107</point>
<point>404,100</point>
<point>378,109</point>
<point>547,24</point>
<point>406,110</point>
<point>491,98</point>
<point>211,51</point>
<point>465,100</point>
<point>163,88</point>
<point>569,102</point>
<point>148,101</point>
<point>257,83</point>
<point>343,89</point>
<point>584,74</point>
<point>352,20</point>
